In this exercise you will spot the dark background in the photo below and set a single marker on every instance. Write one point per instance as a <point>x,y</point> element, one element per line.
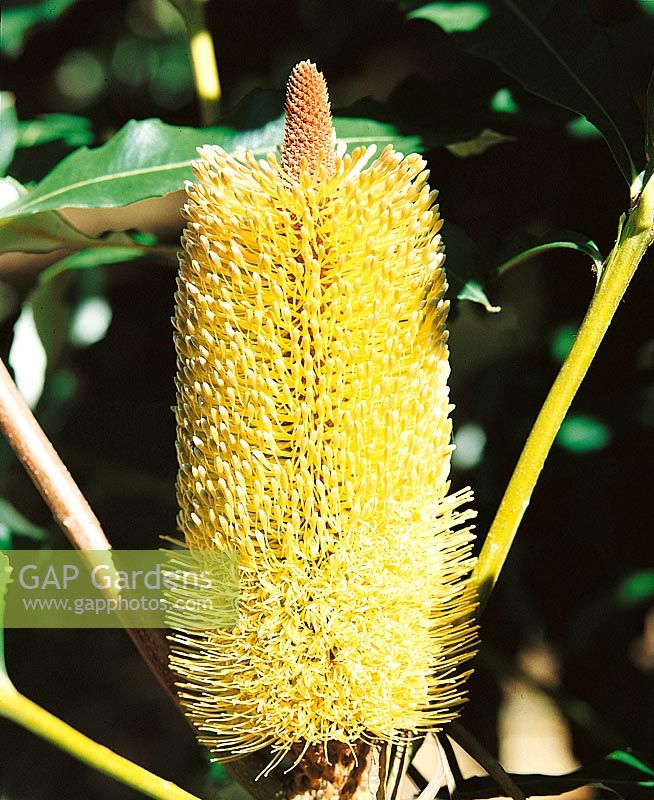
<point>107,406</point>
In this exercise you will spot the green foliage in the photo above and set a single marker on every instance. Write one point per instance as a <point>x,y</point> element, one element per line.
<point>542,81</point>
<point>13,523</point>
<point>621,773</point>
<point>555,50</point>
<point>72,130</point>
<point>8,130</point>
<point>523,250</point>
<point>453,17</point>
<point>42,233</point>
<point>21,17</point>
<point>150,159</point>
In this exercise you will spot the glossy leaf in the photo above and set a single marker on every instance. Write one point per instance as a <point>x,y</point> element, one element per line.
<point>555,49</point>
<point>151,159</point>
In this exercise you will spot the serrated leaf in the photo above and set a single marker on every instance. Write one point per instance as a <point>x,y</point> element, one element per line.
<point>555,50</point>
<point>151,159</point>
<point>8,130</point>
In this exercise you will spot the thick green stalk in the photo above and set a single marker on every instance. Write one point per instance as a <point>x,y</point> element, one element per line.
<point>635,237</point>
<point>18,708</point>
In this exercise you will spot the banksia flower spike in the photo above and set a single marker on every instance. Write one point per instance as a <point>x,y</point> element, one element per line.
<point>314,440</point>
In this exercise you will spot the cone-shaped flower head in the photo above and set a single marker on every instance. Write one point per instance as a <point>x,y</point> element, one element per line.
<point>314,439</point>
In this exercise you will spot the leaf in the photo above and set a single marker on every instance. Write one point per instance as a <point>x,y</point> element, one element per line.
<point>557,240</point>
<point>453,17</point>
<point>555,50</point>
<point>97,257</point>
<point>463,267</point>
<point>473,291</point>
<point>8,130</point>
<point>70,129</point>
<point>151,159</point>
<point>19,19</point>
<point>13,522</point>
<point>479,144</point>
<point>620,772</point>
<point>42,233</point>
<point>649,134</point>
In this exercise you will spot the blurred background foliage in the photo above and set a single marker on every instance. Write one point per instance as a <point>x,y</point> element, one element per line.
<point>93,350</point>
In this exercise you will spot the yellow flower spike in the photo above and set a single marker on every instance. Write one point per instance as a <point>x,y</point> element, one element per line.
<point>314,440</point>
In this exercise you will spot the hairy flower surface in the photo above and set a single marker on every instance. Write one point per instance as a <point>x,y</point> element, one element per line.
<point>314,439</point>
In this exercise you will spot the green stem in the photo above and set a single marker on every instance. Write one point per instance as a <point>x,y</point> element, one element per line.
<point>636,236</point>
<point>203,58</point>
<point>18,708</point>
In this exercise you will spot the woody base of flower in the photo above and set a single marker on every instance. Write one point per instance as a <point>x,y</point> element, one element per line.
<point>334,771</point>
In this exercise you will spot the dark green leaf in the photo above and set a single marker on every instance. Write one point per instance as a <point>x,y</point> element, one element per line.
<point>557,240</point>
<point>8,130</point>
<point>103,256</point>
<point>554,48</point>
<point>649,125</point>
<point>51,319</point>
<point>15,523</point>
<point>20,18</point>
<point>465,274</point>
<point>620,772</point>
<point>151,159</point>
